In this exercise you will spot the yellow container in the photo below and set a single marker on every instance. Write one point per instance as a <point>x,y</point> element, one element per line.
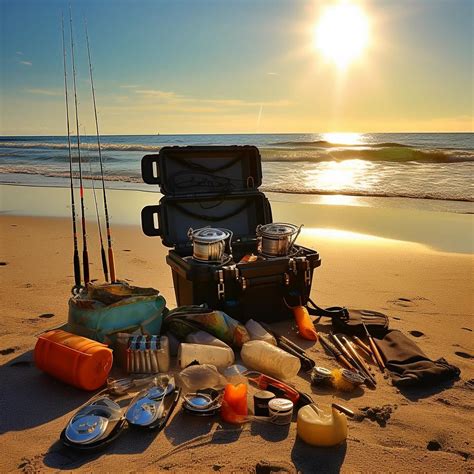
<point>321,426</point>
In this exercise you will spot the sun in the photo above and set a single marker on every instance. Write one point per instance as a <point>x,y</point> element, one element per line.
<point>342,33</point>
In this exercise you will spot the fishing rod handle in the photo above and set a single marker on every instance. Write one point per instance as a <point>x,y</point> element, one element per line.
<point>104,263</point>
<point>113,278</point>
<point>85,264</point>
<point>378,357</point>
<point>77,269</point>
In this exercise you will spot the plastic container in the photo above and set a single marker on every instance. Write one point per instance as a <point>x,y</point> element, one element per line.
<point>270,360</point>
<point>221,357</point>
<point>258,332</point>
<point>321,426</point>
<point>260,402</point>
<point>234,404</point>
<point>73,359</point>
<point>280,411</point>
<point>203,337</point>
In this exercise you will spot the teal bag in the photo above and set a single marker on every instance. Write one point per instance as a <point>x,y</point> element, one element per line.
<point>126,311</point>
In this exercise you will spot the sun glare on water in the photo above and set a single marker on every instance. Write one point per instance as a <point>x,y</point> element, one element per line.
<point>342,33</point>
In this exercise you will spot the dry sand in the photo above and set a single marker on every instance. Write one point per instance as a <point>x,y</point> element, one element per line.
<point>425,292</point>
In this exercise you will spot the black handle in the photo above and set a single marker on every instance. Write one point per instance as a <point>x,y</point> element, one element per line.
<point>149,165</point>
<point>148,221</point>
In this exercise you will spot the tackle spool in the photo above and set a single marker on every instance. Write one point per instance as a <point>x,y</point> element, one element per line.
<point>209,244</point>
<point>276,239</point>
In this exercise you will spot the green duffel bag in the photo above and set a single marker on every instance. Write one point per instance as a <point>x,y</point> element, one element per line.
<point>103,311</point>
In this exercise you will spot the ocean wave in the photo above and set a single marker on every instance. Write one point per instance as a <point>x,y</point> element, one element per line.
<point>312,152</point>
<point>65,174</point>
<point>432,195</point>
<point>326,144</point>
<point>397,154</point>
<point>84,146</point>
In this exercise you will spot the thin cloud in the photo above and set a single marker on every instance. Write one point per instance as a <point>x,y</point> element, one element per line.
<point>172,98</point>
<point>158,93</point>
<point>20,53</point>
<point>49,92</point>
<point>26,63</point>
<point>128,86</point>
<point>272,74</point>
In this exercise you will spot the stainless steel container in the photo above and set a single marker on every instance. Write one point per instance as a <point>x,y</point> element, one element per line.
<point>276,239</point>
<point>209,244</point>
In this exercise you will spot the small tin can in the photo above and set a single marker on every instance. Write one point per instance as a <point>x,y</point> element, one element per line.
<point>280,411</point>
<point>320,376</point>
<point>260,402</point>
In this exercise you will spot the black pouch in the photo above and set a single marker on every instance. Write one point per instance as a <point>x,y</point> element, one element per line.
<point>349,321</point>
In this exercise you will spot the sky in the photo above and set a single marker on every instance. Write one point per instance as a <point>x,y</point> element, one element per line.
<point>235,66</point>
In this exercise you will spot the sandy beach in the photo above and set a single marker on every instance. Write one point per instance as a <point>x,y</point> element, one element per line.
<point>426,291</point>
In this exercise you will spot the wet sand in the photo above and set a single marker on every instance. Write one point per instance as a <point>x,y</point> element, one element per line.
<point>420,282</point>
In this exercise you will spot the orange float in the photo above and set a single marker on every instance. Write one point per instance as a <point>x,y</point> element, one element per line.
<point>73,359</point>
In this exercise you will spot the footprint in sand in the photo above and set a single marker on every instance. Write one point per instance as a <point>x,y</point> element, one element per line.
<point>410,304</point>
<point>8,350</point>
<point>416,333</point>
<point>464,355</point>
<point>2,264</point>
<point>126,250</point>
<point>46,315</point>
<point>467,329</point>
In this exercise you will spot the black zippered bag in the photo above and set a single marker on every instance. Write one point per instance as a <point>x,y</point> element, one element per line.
<point>218,186</point>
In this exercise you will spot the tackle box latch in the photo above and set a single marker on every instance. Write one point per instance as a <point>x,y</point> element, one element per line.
<point>220,285</point>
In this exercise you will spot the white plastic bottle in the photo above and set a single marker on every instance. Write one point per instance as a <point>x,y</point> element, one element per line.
<point>270,360</point>
<point>258,332</point>
<point>203,337</point>
<point>221,357</point>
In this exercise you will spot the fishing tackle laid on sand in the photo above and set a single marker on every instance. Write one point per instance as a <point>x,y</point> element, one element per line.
<point>76,262</point>
<point>85,254</point>
<point>113,277</point>
<point>374,349</point>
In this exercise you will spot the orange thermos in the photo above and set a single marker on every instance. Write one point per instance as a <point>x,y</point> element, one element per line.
<point>73,359</point>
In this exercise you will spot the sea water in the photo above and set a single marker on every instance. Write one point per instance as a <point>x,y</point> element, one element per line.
<point>423,166</point>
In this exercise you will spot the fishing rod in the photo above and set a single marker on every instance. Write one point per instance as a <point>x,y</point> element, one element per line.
<point>102,251</point>
<point>85,254</point>
<point>106,210</point>
<point>77,264</point>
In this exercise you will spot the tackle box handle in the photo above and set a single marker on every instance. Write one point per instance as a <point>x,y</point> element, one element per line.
<point>148,221</point>
<point>150,172</point>
<point>209,218</point>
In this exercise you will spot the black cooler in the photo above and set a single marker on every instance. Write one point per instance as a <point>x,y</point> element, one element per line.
<point>217,186</point>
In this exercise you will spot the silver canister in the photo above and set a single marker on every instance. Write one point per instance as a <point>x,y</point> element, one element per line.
<point>276,239</point>
<point>209,244</point>
<point>280,411</point>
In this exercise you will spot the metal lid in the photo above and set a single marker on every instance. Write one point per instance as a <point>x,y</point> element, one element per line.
<point>198,401</point>
<point>280,405</point>
<point>208,235</point>
<point>277,230</point>
<point>85,429</point>
<point>264,395</point>
<point>145,411</point>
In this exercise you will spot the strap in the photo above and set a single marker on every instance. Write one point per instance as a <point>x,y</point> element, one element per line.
<point>331,312</point>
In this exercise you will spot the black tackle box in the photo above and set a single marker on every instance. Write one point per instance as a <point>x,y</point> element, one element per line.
<point>217,186</point>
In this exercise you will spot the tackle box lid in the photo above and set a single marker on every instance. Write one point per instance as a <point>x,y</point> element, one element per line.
<point>197,170</point>
<point>175,215</point>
